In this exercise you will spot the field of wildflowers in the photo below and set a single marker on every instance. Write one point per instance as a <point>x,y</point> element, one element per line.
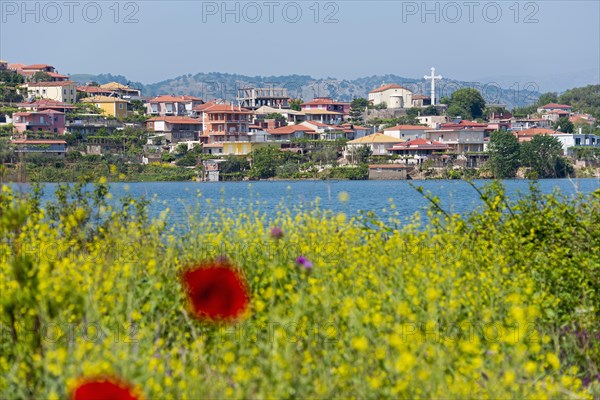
<point>501,303</point>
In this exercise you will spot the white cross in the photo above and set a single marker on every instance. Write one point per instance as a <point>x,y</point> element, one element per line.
<point>433,77</point>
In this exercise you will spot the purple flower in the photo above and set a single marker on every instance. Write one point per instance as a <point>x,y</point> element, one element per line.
<point>277,232</point>
<point>303,261</point>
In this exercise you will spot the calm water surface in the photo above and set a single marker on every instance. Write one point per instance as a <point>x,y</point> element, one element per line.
<point>456,196</point>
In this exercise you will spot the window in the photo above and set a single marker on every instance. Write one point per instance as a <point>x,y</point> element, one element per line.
<point>120,106</point>
<point>65,91</point>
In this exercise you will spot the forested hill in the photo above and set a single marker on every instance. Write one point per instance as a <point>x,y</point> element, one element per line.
<point>220,85</point>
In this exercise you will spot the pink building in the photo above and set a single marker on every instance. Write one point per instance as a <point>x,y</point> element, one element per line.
<point>47,120</point>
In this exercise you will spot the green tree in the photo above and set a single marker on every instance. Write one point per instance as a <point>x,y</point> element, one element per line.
<point>468,101</point>
<point>167,157</point>
<point>360,154</point>
<point>41,77</point>
<point>357,108</point>
<point>181,149</point>
<point>564,125</point>
<point>504,150</point>
<point>543,154</point>
<point>295,104</point>
<point>234,164</point>
<point>264,163</point>
<point>276,116</point>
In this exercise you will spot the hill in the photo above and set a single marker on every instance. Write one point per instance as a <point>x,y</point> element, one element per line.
<point>213,85</point>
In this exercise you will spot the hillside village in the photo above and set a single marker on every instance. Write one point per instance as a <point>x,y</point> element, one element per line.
<point>50,121</point>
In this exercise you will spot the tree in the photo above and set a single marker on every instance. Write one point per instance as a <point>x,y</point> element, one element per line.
<point>543,154</point>
<point>276,116</point>
<point>295,104</point>
<point>264,163</point>
<point>181,149</point>
<point>167,157</point>
<point>504,150</point>
<point>546,98</point>
<point>357,108</point>
<point>360,154</point>
<point>234,164</point>
<point>564,125</point>
<point>41,76</point>
<point>468,101</point>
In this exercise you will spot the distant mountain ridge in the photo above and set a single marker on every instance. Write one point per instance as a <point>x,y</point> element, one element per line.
<point>216,85</point>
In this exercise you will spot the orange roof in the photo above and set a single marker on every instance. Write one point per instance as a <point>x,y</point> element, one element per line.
<point>556,105</point>
<point>176,120</point>
<point>536,131</point>
<point>92,89</point>
<point>420,144</point>
<point>287,130</point>
<point>45,103</point>
<point>387,87</point>
<point>168,99</point>
<point>49,84</point>
<point>16,66</point>
<point>43,112</point>
<point>407,128</point>
<point>323,100</point>
<point>37,66</point>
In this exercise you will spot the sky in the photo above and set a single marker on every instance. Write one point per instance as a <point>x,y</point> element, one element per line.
<point>547,42</point>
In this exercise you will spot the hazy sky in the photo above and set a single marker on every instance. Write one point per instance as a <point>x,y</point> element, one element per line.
<point>149,41</point>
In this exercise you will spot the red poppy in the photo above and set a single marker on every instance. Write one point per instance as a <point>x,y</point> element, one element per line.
<point>216,290</point>
<point>103,389</point>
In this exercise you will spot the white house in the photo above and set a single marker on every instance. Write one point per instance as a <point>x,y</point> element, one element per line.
<point>460,140</point>
<point>406,132</point>
<point>393,95</point>
<point>377,142</point>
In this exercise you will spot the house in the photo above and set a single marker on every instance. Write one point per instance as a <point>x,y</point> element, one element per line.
<point>349,131</point>
<point>173,105</point>
<point>111,106</point>
<point>241,148</point>
<point>432,121</point>
<point>406,132</point>
<point>46,120</point>
<point>554,106</point>
<point>87,91</point>
<point>460,140</point>
<point>421,101</point>
<point>555,115</point>
<point>377,142</point>
<point>583,119</point>
<point>324,109</point>
<point>175,129</point>
<point>254,98</point>
<point>40,146</point>
<point>388,171</point>
<point>291,116</point>
<point>519,124</point>
<point>46,104</point>
<point>123,91</point>
<point>393,96</point>
<point>569,140</point>
<point>63,91</point>
<point>419,147</point>
<point>526,135</point>
<point>223,122</point>
<point>27,71</point>
<point>287,133</point>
